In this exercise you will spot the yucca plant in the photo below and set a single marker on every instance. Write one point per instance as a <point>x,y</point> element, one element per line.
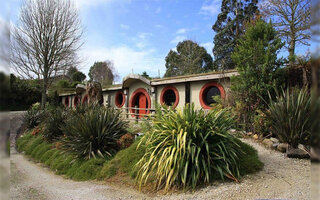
<point>189,147</point>
<point>94,132</point>
<point>289,116</point>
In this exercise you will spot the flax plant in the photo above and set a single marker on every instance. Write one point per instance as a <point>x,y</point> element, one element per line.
<point>189,147</point>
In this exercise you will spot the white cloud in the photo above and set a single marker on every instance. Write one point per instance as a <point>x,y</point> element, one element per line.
<point>178,38</point>
<point>210,7</point>
<point>158,10</point>
<point>182,31</point>
<point>208,46</point>
<point>141,44</point>
<point>125,59</point>
<point>144,35</point>
<point>124,26</point>
<point>92,3</point>
<point>158,26</point>
<point>4,46</point>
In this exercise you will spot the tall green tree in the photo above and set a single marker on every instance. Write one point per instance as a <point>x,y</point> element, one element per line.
<point>229,26</point>
<point>190,58</point>
<point>103,72</point>
<point>255,58</point>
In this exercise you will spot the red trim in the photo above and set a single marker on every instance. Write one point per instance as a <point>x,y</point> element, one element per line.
<point>85,99</point>
<point>76,101</point>
<point>117,101</point>
<point>175,92</point>
<point>133,99</point>
<point>206,86</point>
<point>66,101</point>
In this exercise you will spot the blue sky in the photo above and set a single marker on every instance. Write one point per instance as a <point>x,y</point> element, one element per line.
<point>138,34</point>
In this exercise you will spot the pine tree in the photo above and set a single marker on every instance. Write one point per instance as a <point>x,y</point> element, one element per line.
<point>229,27</point>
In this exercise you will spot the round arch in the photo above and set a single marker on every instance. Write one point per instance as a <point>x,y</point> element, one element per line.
<point>165,91</point>
<point>205,88</point>
<point>136,96</point>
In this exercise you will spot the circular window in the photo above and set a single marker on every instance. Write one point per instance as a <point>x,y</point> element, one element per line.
<point>169,96</point>
<point>120,99</point>
<point>66,101</point>
<point>85,100</point>
<point>76,101</point>
<point>140,99</point>
<point>208,92</point>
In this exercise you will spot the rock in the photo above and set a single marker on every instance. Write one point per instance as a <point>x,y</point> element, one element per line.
<point>267,142</point>
<point>275,145</point>
<point>255,136</point>
<point>249,133</point>
<point>297,153</point>
<point>282,147</point>
<point>274,140</point>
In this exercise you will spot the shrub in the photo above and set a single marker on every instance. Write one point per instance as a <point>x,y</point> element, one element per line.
<point>32,118</point>
<point>52,123</point>
<point>261,124</point>
<point>94,132</point>
<point>125,141</point>
<point>289,116</point>
<point>188,148</point>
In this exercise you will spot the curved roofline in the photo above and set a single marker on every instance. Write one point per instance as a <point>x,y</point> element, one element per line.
<point>130,77</point>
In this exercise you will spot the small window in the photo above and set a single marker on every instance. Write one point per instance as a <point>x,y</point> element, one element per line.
<point>209,94</point>
<point>120,99</point>
<point>169,96</point>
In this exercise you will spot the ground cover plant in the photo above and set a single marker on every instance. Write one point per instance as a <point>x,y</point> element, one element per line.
<point>190,147</point>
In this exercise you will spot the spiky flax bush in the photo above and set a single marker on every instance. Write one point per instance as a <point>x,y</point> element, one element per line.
<point>289,116</point>
<point>94,132</point>
<point>189,147</point>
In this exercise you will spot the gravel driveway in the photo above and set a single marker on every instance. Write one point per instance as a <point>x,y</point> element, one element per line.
<point>281,178</point>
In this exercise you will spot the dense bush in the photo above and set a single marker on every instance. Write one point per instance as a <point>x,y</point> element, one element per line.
<point>256,60</point>
<point>52,123</point>
<point>32,118</point>
<point>94,132</point>
<point>188,148</point>
<point>261,124</point>
<point>289,116</point>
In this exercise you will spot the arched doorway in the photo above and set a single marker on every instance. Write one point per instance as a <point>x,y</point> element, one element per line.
<point>140,99</point>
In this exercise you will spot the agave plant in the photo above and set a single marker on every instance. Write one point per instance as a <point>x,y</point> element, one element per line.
<point>189,147</point>
<point>289,116</point>
<point>94,132</point>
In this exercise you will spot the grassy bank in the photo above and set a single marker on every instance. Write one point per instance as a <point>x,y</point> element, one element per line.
<point>123,162</point>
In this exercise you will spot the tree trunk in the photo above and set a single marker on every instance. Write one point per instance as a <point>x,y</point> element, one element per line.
<point>44,93</point>
<point>291,51</point>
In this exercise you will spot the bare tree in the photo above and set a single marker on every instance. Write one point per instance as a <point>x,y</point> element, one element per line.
<point>46,40</point>
<point>292,18</point>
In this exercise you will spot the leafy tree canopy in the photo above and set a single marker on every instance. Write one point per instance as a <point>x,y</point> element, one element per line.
<point>78,76</point>
<point>229,26</point>
<point>103,72</point>
<point>190,58</point>
<point>255,58</point>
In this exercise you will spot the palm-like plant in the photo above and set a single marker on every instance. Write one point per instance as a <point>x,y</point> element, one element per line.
<point>189,147</point>
<point>289,116</point>
<point>93,132</point>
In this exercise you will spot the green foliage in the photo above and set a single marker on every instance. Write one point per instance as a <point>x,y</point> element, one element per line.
<point>188,148</point>
<point>124,161</point>
<point>53,122</point>
<point>102,72</point>
<point>249,161</point>
<point>259,70</point>
<point>315,114</point>
<point>290,117</point>
<point>89,169</point>
<point>71,71</point>
<point>18,94</point>
<point>63,84</point>
<point>94,132</point>
<point>78,76</point>
<point>229,27</point>
<point>261,125</point>
<point>190,58</point>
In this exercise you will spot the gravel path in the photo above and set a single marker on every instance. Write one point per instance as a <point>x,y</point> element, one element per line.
<point>281,178</point>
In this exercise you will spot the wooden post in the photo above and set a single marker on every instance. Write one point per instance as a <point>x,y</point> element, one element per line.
<point>136,111</point>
